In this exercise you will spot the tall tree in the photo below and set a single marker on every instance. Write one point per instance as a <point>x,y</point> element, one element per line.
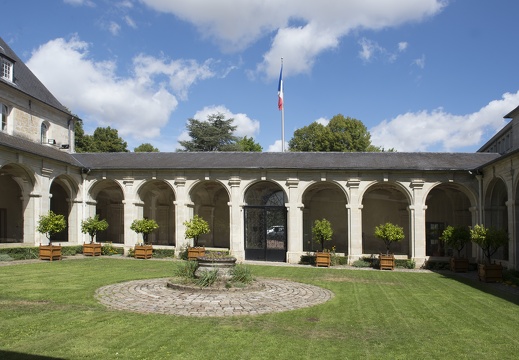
<point>248,144</point>
<point>146,147</point>
<point>215,134</point>
<point>103,140</point>
<point>342,134</point>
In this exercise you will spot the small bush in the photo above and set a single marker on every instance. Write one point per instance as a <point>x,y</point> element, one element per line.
<point>406,263</point>
<point>361,263</point>
<point>183,252</point>
<point>71,250</point>
<point>5,257</point>
<point>21,253</point>
<point>436,265</point>
<point>307,259</point>
<point>163,253</point>
<point>109,249</point>
<point>339,260</point>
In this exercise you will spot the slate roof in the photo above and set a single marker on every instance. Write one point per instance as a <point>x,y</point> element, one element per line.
<point>296,161</point>
<point>26,82</point>
<point>419,161</point>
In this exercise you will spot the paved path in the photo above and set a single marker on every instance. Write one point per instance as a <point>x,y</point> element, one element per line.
<point>154,296</point>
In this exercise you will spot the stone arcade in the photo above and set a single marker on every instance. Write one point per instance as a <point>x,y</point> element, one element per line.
<point>259,205</point>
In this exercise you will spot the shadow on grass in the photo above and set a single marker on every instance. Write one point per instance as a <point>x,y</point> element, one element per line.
<point>11,355</point>
<point>471,279</point>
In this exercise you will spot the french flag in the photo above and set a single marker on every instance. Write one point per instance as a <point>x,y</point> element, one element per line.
<point>280,89</point>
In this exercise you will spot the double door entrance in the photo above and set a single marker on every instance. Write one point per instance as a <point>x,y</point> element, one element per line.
<point>265,233</point>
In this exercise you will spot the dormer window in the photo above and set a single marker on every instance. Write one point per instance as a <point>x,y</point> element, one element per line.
<point>6,69</point>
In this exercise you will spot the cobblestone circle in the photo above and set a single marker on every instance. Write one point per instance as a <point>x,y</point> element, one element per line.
<point>153,296</point>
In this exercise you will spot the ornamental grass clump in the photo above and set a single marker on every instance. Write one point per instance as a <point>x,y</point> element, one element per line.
<point>389,233</point>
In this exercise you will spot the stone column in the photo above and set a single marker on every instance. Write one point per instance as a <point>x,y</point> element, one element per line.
<point>417,226</point>
<point>512,245</point>
<point>236,236</point>
<point>294,230</point>
<point>181,214</point>
<point>354,210</point>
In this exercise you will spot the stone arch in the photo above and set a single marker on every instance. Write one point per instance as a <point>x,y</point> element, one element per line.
<point>210,200</point>
<point>108,199</point>
<point>158,197</point>
<point>325,200</point>
<point>265,219</point>
<point>496,210</point>
<point>447,204</point>
<point>385,202</point>
<point>16,183</point>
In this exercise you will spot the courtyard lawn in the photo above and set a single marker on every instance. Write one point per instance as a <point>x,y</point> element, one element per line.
<point>48,309</point>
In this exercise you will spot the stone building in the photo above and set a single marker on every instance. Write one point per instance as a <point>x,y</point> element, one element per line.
<point>261,206</point>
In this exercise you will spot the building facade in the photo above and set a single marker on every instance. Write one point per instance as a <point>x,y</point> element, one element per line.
<point>260,206</point>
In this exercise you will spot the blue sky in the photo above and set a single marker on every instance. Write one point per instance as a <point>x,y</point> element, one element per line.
<point>422,75</point>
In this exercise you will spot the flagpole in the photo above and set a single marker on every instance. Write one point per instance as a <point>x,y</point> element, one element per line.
<point>282,114</point>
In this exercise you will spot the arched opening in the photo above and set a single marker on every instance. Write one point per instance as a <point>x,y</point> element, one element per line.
<point>11,205</point>
<point>211,202</point>
<point>384,203</point>
<point>59,204</point>
<point>496,213</point>
<point>109,206</point>
<point>325,200</point>
<point>265,217</point>
<point>446,205</point>
<point>158,199</point>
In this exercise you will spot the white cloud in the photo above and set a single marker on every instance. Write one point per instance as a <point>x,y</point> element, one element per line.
<point>322,121</point>
<point>301,29</point>
<point>80,2</point>
<point>138,105</point>
<point>130,22</point>
<point>442,131</point>
<point>420,62</point>
<point>276,147</point>
<point>402,46</point>
<point>114,28</point>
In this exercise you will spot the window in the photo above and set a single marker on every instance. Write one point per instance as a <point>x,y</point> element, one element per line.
<point>6,70</point>
<point>4,116</point>
<point>44,129</point>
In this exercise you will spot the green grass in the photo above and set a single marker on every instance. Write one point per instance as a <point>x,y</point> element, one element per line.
<point>48,309</point>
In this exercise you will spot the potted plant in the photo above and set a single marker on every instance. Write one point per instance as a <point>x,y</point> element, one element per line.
<point>145,227</point>
<point>389,233</point>
<point>457,237</point>
<point>489,240</point>
<point>49,225</point>
<point>322,231</point>
<point>194,228</point>
<point>92,226</point>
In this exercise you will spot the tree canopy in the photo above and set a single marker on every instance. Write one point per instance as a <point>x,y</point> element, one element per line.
<point>215,134</point>
<point>146,147</point>
<point>248,144</point>
<point>103,140</point>
<point>342,134</point>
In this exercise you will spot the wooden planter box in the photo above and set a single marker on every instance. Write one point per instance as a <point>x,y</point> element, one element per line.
<point>490,272</point>
<point>92,249</point>
<point>387,262</point>
<point>143,251</point>
<point>459,264</point>
<point>50,252</point>
<point>323,259</point>
<point>194,252</point>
